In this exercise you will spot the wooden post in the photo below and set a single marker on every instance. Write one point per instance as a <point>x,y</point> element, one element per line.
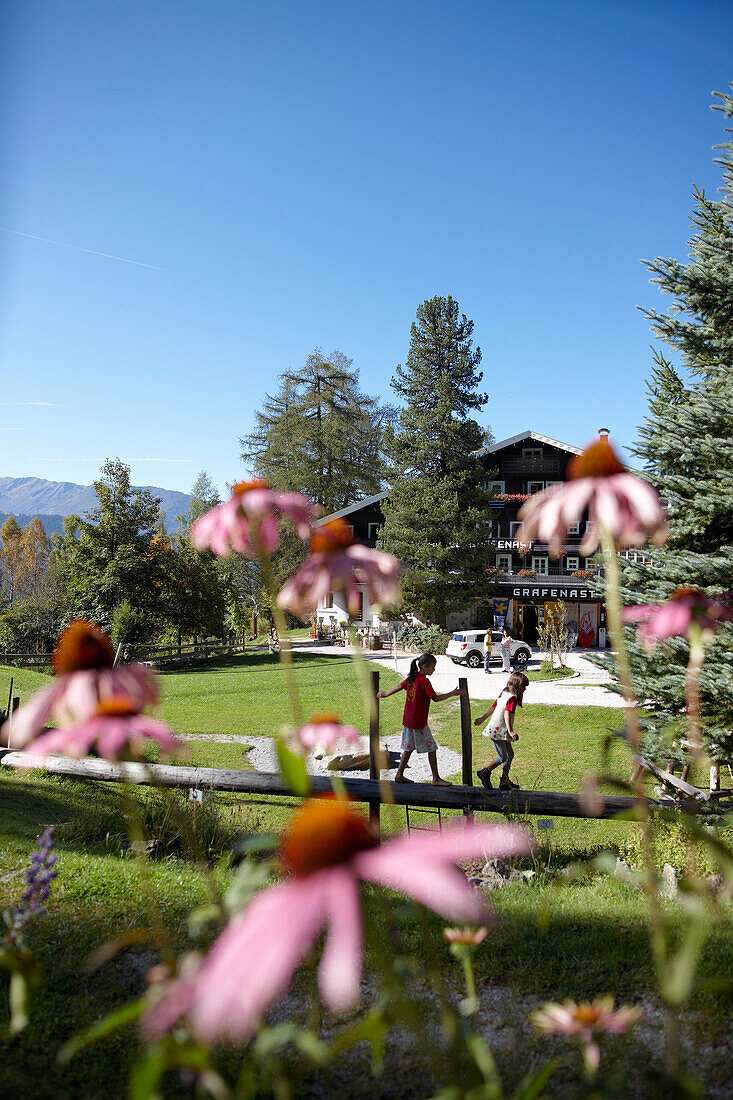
<point>374,750</point>
<point>714,778</point>
<point>14,704</point>
<point>466,739</point>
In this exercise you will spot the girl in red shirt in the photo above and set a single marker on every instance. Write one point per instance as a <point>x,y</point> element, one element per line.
<point>416,735</point>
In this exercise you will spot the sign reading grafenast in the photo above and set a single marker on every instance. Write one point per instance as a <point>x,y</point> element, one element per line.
<point>520,591</point>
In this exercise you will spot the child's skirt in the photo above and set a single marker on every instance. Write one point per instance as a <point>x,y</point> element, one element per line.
<point>419,740</point>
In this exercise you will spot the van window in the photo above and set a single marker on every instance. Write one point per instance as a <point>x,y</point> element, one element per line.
<point>459,637</point>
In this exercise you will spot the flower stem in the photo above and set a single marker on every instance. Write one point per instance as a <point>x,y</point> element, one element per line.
<point>692,687</point>
<point>613,615</point>
<point>286,656</point>
<point>657,936</point>
<point>362,671</point>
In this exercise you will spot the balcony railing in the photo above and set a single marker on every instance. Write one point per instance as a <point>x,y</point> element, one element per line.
<point>539,466</point>
<point>554,574</point>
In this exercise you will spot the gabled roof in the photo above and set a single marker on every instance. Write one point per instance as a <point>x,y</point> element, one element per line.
<point>528,435</point>
<point>364,503</point>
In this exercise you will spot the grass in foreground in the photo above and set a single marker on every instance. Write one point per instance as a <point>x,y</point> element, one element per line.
<point>576,941</point>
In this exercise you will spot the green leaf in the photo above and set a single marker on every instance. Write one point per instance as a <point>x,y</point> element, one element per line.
<point>271,1039</point>
<point>250,878</point>
<point>253,844</point>
<point>532,1086</point>
<point>117,1019</point>
<point>147,1073</point>
<point>293,770</point>
<point>19,997</point>
<point>677,972</point>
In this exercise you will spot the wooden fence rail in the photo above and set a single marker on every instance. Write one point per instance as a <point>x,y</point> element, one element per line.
<point>467,799</point>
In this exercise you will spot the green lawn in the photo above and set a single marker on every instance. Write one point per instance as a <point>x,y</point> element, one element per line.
<point>577,940</point>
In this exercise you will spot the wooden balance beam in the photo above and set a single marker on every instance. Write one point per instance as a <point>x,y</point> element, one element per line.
<point>465,798</point>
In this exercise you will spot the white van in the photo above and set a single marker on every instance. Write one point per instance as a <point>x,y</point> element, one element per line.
<point>469,647</point>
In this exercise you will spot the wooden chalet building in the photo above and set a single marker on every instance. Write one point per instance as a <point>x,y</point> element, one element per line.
<point>527,579</point>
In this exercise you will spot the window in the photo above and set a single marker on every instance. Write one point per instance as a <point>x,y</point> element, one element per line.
<point>574,529</point>
<point>592,564</point>
<point>532,455</point>
<point>553,486</point>
<point>374,531</point>
<point>495,486</point>
<point>571,564</point>
<point>539,564</point>
<point>535,487</point>
<point>359,617</point>
<point>328,600</point>
<point>513,528</point>
<point>504,562</point>
<point>487,526</point>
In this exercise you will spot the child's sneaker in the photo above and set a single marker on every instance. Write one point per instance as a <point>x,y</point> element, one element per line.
<point>485,776</point>
<point>505,784</point>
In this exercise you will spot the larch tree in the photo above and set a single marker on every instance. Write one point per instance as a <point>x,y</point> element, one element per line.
<point>686,446</point>
<point>437,510</point>
<point>319,434</point>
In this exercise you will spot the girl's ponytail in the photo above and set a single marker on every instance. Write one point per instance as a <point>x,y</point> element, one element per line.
<point>418,665</point>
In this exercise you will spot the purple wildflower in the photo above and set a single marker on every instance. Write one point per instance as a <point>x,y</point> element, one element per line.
<point>39,876</point>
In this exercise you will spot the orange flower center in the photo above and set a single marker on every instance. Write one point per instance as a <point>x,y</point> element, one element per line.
<point>117,706</point>
<point>586,1014</point>
<point>244,486</point>
<point>335,535</point>
<point>597,460</point>
<point>323,833</point>
<point>82,645</point>
<point>325,716</point>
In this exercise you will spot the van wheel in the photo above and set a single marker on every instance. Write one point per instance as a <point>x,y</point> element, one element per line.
<point>474,660</point>
<point>521,659</point>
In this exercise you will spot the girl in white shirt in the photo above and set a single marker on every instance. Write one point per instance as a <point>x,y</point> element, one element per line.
<point>501,730</point>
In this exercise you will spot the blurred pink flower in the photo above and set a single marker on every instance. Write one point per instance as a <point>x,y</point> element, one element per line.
<point>84,677</point>
<point>328,849</point>
<point>673,619</point>
<point>465,937</point>
<point>248,521</point>
<point>629,509</point>
<point>115,731</point>
<point>324,731</point>
<point>337,564</point>
<point>585,1020</point>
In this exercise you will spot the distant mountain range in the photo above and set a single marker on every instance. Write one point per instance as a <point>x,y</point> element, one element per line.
<point>26,497</point>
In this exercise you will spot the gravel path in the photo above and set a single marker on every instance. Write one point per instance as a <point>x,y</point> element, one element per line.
<point>261,755</point>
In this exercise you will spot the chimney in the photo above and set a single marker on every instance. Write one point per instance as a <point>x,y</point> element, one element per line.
<point>603,433</point>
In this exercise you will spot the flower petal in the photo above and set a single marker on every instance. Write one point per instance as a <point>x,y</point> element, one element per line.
<point>251,964</point>
<point>339,973</point>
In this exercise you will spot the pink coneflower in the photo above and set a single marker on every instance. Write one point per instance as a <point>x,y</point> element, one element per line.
<point>327,849</point>
<point>324,731</point>
<point>337,564</point>
<point>116,730</point>
<point>673,619</point>
<point>585,1020</point>
<point>82,662</point>
<point>249,521</point>
<point>628,508</point>
<point>465,937</point>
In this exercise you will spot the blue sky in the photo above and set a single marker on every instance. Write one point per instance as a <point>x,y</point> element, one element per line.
<point>298,175</point>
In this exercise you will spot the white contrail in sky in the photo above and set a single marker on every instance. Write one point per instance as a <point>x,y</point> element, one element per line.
<point>101,459</point>
<point>78,248</point>
<point>21,404</point>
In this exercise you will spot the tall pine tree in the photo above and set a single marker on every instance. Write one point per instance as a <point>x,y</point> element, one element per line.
<point>686,444</point>
<point>319,434</point>
<point>435,518</point>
